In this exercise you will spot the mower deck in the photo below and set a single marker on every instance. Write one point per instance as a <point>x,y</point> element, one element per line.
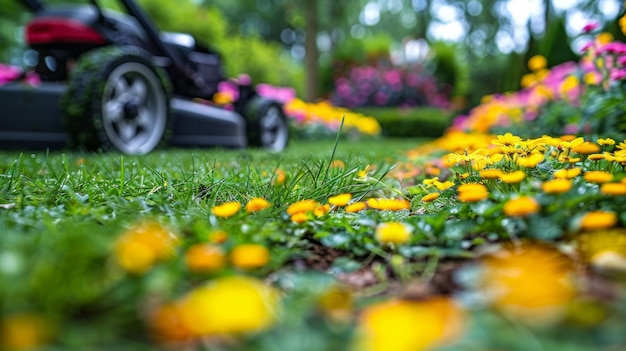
<point>39,123</point>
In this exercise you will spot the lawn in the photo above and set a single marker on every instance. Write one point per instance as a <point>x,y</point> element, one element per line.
<point>378,244</point>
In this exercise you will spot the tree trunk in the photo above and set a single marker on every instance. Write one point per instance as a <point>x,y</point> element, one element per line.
<point>311,55</point>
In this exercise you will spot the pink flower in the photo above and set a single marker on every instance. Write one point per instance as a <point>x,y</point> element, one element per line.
<point>590,27</point>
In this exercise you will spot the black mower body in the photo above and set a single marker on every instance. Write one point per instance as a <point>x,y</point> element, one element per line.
<point>148,78</point>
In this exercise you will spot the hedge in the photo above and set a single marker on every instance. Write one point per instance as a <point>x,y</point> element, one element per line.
<point>410,122</point>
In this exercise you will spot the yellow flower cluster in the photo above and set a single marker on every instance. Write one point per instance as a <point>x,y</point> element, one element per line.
<point>143,245</point>
<point>406,325</point>
<point>329,115</point>
<point>226,306</point>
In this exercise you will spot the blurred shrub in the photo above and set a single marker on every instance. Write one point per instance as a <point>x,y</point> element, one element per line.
<point>451,68</point>
<point>384,84</point>
<point>410,122</point>
<point>263,61</point>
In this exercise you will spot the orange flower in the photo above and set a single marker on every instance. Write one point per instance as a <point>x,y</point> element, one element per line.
<point>529,281</point>
<point>472,192</point>
<point>521,207</point>
<point>279,177</point>
<point>218,236</point>
<point>356,207</point>
<point>613,189</point>
<point>257,204</point>
<point>23,331</point>
<point>557,186</point>
<point>337,164</point>
<point>407,325</point>
<point>340,200</point>
<point>205,258</point>
<point>598,220</point>
<point>393,232</point>
<point>167,324</point>
<point>598,176</point>
<point>302,206</point>
<point>249,256</point>
<point>227,209</point>
<point>431,197</point>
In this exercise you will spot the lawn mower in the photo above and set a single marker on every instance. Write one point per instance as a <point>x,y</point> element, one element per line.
<point>113,81</point>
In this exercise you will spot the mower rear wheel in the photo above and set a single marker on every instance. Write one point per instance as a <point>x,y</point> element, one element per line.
<point>267,125</point>
<point>116,99</point>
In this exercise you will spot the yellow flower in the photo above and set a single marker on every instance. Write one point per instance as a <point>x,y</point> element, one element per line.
<point>443,185</point>
<point>613,189</point>
<point>230,305</point>
<point>406,325</point>
<point>222,98</point>
<point>388,204</point>
<point>430,181</point>
<point>141,246</point>
<point>340,200</point>
<point>321,210</point>
<point>567,173</point>
<point>606,142</point>
<point>586,148</point>
<point>521,207</point>
<point>557,186</point>
<point>507,139</point>
<point>571,144</point>
<point>472,192</point>
<point>530,161</point>
<point>218,236</point>
<point>431,197</point>
<point>592,78</point>
<point>605,38</point>
<point>227,209</point>
<point>356,207</point>
<point>570,83</point>
<point>249,256</point>
<point>622,24</point>
<point>299,217</point>
<point>598,220</point>
<point>23,331</point>
<point>205,258</point>
<point>605,249</point>
<point>490,173</point>
<point>598,176</point>
<point>257,204</point>
<point>393,232</point>
<point>537,62</point>
<point>513,177</point>
<point>596,157</point>
<point>512,277</point>
<point>302,206</point>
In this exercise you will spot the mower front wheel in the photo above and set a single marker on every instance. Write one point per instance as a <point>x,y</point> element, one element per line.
<point>267,125</point>
<point>116,99</point>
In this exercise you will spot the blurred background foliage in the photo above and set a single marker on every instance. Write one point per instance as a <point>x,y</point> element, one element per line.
<point>475,47</point>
